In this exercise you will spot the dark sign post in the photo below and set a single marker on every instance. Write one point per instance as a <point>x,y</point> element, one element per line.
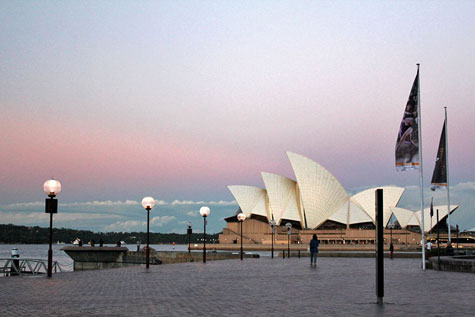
<point>379,247</point>
<point>189,231</point>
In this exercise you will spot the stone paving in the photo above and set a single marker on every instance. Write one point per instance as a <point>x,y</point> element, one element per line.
<point>253,287</point>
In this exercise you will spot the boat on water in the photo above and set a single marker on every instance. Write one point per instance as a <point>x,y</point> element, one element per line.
<point>76,242</point>
<point>60,242</point>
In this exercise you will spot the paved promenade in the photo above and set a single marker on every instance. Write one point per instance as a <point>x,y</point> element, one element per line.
<point>253,287</point>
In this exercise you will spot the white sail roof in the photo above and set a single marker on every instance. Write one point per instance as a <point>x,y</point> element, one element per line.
<point>341,214</point>
<point>404,216</point>
<point>282,193</point>
<point>251,200</point>
<point>391,197</point>
<point>357,214</point>
<point>321,192</point>
<point>429,222</point>
<point>414,220</point>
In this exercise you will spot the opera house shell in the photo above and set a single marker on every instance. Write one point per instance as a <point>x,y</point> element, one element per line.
<point>316,200</point>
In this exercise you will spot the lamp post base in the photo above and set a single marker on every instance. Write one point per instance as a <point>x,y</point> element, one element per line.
<point>50,262</point>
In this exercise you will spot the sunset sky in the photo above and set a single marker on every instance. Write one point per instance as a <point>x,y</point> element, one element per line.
<point>177,99</point>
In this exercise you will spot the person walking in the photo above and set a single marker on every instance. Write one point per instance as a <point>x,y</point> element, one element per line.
<point>429,247</point>
<point>314,250</point>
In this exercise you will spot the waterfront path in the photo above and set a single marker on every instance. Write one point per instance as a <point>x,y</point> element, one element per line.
<point>253,287</point>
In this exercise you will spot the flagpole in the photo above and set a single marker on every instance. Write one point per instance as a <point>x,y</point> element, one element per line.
<point>431,214</point>
<point>447,170</point>
<point>421,183</point>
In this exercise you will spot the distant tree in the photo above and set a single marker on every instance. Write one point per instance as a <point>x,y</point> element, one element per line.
<point>13,234</point>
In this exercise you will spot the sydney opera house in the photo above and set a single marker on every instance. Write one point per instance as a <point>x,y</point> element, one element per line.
<point>316,202</point>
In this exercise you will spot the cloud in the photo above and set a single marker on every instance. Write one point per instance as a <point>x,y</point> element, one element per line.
<point>201,202</point>
<point>137,225</point>
<point>470,186</point>
<point>102,203</point>
<point>125,215</point>
<point>95,203</point>
<point>128,215</point>
<point>125,226</point>
<point>159,221</point>
<point>462,194</point>
<point>110,203</point>
<point>36,218</point>
<point>24,205</point>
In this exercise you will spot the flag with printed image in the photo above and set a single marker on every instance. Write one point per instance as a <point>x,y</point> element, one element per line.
<point>407,144</point>
<point>439,177</point>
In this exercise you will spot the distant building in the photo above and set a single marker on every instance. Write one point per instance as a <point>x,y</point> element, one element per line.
<point>317,203</point>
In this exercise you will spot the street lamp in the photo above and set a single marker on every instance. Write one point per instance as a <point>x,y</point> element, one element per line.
<point>289,227</point>
<point>189,231</point>
<point>148,203</point>
<point>51,187</point>
<point>272,225</point>
<point>204,211</point>
<point>241,217</point>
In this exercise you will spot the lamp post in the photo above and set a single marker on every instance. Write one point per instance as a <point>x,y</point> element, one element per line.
<point>241,217</point>
<point>272,225</point>
<point>148,203</point>
<point>204,211</point>
<point>289,227</point>
<point>51,188</point>
<point>189,236</point>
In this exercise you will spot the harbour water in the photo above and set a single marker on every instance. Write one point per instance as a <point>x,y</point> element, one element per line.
<point>40,251</point>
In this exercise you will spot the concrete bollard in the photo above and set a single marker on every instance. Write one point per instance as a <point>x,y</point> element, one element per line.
<point>15,267</point>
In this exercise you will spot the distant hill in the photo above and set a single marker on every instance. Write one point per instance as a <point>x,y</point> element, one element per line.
<point>13,234</point>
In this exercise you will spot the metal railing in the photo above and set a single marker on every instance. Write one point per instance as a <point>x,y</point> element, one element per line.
<point>20,266</point>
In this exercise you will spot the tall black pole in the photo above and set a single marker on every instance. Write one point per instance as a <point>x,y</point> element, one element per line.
<point>272,252</point>
<point>379,247</point>
<point>148,238</point>
<point>51,207</point>
<point>189,239</point>
<point>241,241</point>
<point>204,239</point>
<point>438,241</point>
<point>50,250</point>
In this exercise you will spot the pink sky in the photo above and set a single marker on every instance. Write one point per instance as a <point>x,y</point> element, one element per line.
<point>183,98</point>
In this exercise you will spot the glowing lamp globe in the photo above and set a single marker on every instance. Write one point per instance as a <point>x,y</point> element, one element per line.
<point>204,211</point>
<point>52,187</point>
<point>241,216</point>
<point>148,202</point>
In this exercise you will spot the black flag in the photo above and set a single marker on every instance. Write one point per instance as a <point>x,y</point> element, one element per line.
<point>439,178</point>
<point>432,208</point>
